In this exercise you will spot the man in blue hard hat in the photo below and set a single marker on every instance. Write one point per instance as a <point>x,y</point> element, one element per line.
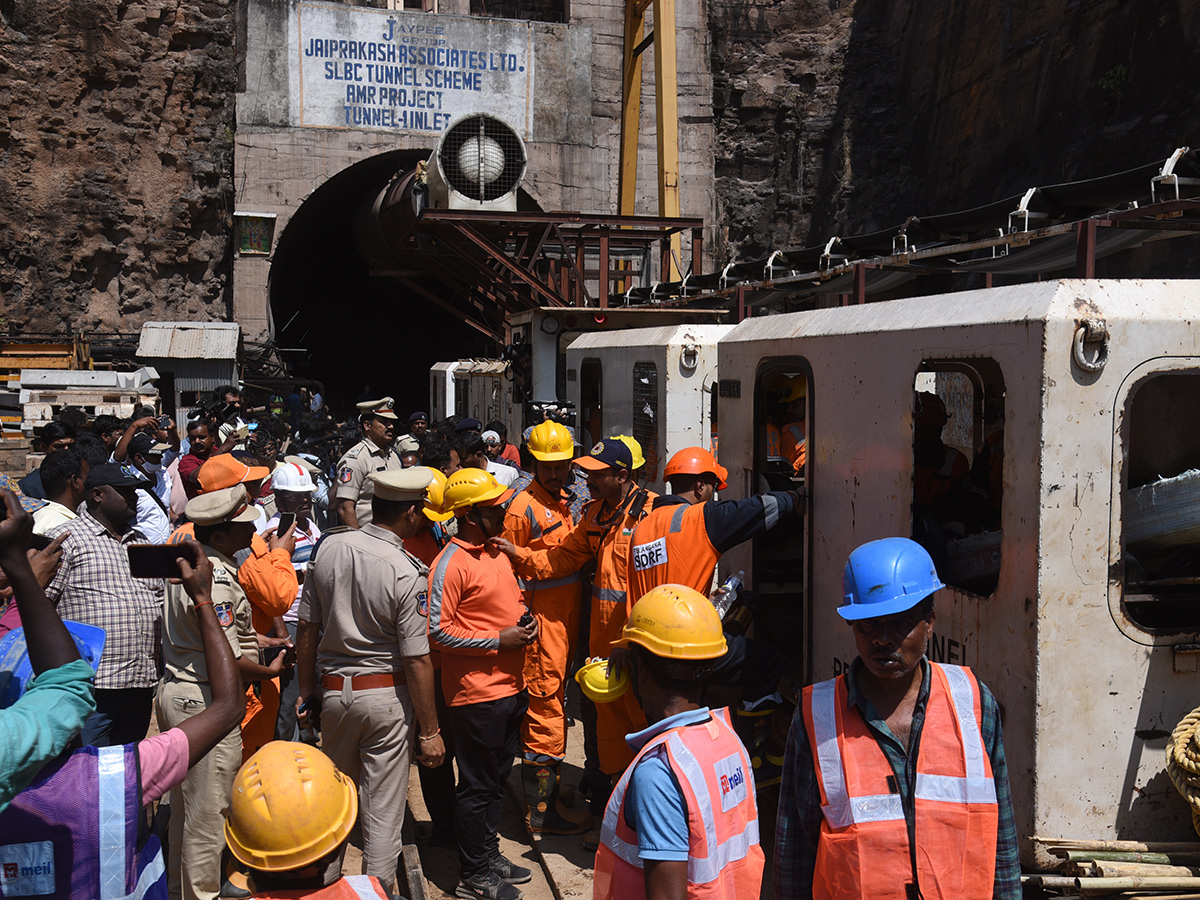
<point>894,781</point>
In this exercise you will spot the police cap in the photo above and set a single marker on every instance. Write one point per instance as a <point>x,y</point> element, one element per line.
<point>226,505</point>
<point>402,484</point>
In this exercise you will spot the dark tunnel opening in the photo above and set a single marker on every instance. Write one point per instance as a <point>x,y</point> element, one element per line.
<point>337,323</point>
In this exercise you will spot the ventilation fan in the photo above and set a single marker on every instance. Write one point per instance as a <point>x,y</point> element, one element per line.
<point>478,164</point>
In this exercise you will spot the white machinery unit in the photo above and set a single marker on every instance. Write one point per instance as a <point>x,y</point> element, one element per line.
<point>481,390</point>
<point>1076,594</point>
<point>657,384</point>
<point>441,390</point>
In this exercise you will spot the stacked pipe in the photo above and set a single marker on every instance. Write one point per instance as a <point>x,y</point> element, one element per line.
<point>1122,870</point>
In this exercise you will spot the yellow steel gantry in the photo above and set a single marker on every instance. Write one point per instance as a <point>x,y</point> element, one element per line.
<point>666,95</point>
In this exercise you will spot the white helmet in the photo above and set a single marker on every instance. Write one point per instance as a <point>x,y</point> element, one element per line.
<point>292,477</point>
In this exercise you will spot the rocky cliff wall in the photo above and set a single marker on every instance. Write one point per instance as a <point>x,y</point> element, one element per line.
<point>115,161</point>
<point>841,117</point>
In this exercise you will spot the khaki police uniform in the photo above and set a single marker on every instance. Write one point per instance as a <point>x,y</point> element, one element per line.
<point>200,803</point>
<point>365,459</point>
<point>369,597</point>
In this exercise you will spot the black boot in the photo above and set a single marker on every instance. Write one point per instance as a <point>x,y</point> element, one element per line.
<point>545,814</point>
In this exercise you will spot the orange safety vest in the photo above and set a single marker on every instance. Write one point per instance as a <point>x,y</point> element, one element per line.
<point>795,447</point>
<point>774,445</point>
<point>725,861</point>
<point>864,851</point>
<point>671,546</point>
<point>349,887</point>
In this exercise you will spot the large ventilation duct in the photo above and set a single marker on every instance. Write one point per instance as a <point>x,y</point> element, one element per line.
<point>478,163</point>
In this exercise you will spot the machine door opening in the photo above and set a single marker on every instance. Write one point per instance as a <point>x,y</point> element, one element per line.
<point>958,459</point>
<point>782,411</point>
<point>1160,507</point>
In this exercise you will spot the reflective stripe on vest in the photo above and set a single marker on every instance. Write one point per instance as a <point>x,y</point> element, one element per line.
<point>608,595</point>
<point>677,519</point>
<point>843,810</point>
<point>348,887</point>
<point>111,810</point>
<point>535,527</point>
<point>544,584</point>
<point>362,886</point>
<point>701,869</point>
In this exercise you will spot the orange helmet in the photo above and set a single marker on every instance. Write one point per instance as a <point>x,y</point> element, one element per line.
<point>696,461</point>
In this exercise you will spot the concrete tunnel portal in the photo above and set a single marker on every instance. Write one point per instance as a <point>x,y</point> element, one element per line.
<point>338,323</point>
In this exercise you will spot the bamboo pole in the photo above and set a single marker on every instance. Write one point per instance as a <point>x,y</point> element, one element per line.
<point>1054,845</point>
<point>1050,882</point>
<point>1176,858</point>
<point>1125,869</point>
<point>1097,886</point>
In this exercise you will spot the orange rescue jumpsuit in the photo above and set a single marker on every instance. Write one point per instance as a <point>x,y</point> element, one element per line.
<point>269,580</point>
<point>538,521</point>
<point>607,542</point>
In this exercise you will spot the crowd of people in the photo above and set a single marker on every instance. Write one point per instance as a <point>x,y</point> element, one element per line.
<point>313,616</point>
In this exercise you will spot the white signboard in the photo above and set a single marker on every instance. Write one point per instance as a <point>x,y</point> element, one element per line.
<point>389,70</point>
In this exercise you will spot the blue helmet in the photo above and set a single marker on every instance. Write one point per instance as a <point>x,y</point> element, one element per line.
<point>886,577</point>
<point>16,671</point>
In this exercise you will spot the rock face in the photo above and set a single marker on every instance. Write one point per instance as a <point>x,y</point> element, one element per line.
<point>115,161</point>
<point>834,118</point>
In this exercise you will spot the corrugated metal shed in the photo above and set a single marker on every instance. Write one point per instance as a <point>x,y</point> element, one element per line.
<point>190,340</point>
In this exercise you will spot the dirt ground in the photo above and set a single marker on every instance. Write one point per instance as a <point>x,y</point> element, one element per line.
<point>562,869</point>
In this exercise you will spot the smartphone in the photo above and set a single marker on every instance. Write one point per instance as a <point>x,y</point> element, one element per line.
<point>313,706</point>
<point>164,422</point>
<point>158,560</point>
<point>38,541</point>
<point>286,521</point>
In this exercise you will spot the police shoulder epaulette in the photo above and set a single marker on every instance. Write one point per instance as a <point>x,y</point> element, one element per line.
<point>353,452</point>
<point>328,532</point>
<point>421,567</point>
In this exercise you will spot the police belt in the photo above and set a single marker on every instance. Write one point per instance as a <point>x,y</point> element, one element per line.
<point>363,682</point>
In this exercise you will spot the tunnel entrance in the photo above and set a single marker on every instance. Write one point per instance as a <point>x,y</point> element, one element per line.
<point>337,323</point>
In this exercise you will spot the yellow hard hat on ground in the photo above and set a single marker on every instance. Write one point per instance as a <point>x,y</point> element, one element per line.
<point>435,498</point>
<point>291,807</point>
<point>472,487</point>
<point>551,441</point>
<point>597,685</point>
<point>675,622</point>
<point>635,448</point>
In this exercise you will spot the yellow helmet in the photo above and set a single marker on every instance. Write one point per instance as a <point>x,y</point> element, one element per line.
<point>675,622</point>
<point>434,498</point>
<point>291,807</point>
<point>795,389</point>
<point>472,487</point>
<point>597,685</point>
<point>634,447</point>
<point>551,441</point>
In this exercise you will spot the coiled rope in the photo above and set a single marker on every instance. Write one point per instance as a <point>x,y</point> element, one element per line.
<point>1183,762</point>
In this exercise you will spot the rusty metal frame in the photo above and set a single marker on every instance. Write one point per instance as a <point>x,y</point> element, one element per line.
<point>494,263</point>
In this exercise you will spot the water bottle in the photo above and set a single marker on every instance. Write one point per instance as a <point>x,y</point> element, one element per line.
<point>726,595</point>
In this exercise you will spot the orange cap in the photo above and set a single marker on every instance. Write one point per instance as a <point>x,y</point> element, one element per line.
<point>223,471</point>
<point>696,461</point>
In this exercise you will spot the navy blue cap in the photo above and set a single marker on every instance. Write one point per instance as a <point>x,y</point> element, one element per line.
<point>611,454</point>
